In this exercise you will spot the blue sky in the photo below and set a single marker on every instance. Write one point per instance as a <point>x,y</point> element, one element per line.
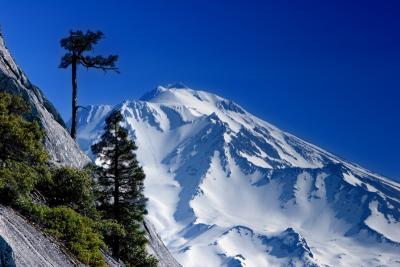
<point>326,71</point>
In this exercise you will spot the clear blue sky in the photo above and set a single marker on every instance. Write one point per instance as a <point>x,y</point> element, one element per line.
<point>326,71</point>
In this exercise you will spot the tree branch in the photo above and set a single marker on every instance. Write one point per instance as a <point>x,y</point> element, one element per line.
<point>102,68</point>
<point>99,62</point>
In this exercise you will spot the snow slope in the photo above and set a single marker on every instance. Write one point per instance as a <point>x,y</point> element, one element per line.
<point>226,188</point>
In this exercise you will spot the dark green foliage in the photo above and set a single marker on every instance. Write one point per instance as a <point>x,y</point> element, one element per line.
<point>133,250</point>
<point>112,231</point>
<point>23,159</point>
<point>70,187</point>
<point>77,44</point>
<point>121,191</point>
<point>77,232</point>
<point>120,176</point>
<point>70,213</point>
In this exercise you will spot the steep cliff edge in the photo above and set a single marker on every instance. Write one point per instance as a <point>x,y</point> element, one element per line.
<point>62,149</point>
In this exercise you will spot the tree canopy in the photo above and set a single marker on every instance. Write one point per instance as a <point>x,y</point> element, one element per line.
<point>77,43</point>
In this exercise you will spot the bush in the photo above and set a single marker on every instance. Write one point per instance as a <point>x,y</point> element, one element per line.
<point>70,187</point>
<point>77,232</point>
<point>111,230</point>
<point>23,158</point>
<point>133,249</point>
<point>132,243</point>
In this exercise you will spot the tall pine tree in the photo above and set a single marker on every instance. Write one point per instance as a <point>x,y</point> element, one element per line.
<point>121,187</point>
<point>77,44</point>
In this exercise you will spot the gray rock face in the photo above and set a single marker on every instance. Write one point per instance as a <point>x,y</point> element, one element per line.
<point>6,254</point>
<point>157,248</point>
<point>24,245</point>
<point>61,147</point>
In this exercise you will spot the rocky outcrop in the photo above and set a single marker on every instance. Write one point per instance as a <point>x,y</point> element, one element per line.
<point>6,254</point>
<point>24,245</point>
<point>61,147</point>
<point>157,248</point>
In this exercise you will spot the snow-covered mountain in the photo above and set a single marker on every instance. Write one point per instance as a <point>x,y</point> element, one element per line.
<point>226,188</point>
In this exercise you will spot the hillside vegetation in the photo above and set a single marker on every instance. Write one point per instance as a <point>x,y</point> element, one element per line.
<point>61,200</point>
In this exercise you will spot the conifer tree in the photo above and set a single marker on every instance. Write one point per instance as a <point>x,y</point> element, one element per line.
<point>77,44</point>
<point>121,188</point>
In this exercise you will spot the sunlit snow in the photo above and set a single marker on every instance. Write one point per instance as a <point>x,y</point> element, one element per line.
<point>226,188</point>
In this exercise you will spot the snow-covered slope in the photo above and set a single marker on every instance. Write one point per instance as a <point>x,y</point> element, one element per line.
<point>226,188</point>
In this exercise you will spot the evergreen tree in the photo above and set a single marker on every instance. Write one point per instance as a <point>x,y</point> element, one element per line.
<point>23,159</point>
<point>77,44</point>
<point>121,188</point>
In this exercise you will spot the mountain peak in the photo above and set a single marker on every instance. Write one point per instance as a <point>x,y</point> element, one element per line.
<point>199,102</point>
<point>280,200</point>
<point>177,85</point>
<point>159,90</point>
<point>153,93</point>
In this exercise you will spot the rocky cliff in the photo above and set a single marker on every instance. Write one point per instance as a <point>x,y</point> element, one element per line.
<point>61,147</point>
<point>21,244</point>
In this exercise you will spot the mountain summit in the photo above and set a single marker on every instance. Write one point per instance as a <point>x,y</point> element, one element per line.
<point>226,188</point>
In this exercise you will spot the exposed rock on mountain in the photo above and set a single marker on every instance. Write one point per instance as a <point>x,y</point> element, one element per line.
<point>24,245</point>
<point>157,248</point>
<point>62,149</point>
<point>226,188</point>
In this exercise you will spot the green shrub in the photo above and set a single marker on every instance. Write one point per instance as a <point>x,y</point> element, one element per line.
<point>133,249</point>
<point>70,187</point>
<point>23,158</point>
<point>111,230</point>
<point>77,232</point>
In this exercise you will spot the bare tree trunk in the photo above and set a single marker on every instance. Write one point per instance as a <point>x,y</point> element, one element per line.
<point>74,98</point>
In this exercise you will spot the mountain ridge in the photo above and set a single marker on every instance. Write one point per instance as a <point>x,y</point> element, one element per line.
<point>212,166</point>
